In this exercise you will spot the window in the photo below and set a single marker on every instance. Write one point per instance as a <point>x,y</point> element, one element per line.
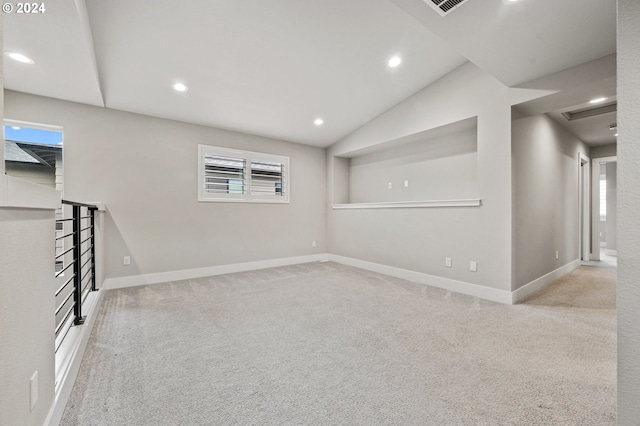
<point>603,197</point>
<point>33,152</point>
<point>230,175</point>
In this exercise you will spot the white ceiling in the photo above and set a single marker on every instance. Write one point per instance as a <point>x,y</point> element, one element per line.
<point>270,67</point>
<point>572,90</point>
<point>527,39</point>
<point>59,42</point>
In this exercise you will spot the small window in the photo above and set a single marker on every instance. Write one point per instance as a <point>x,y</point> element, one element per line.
<point>230,175</point>
<point>603,197</point>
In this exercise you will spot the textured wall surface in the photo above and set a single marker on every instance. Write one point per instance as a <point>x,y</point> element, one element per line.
<point>26,314</point>
<point>628,208</point>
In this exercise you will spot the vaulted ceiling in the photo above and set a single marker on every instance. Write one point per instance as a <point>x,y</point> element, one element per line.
<point>272,67</point>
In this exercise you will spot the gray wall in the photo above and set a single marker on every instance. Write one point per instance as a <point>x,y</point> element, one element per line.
<point>26,314</point>
<point>444,168</point>
<point>604,151</point>
<point>545,197</point>
<point>26,306</point>
<point>420,239</point>
<point>628,207</point>
<point>145,170</point>
<point>612,201</point>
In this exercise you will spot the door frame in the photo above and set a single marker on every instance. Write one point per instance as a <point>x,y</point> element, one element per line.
<point>595,202</point>
<point>584,210</point>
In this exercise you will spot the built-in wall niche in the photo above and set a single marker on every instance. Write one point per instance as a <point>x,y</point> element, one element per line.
<point>437,167</point>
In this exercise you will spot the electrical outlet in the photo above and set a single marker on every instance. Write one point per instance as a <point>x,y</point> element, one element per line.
<point>389,185</point>
<point>473,266</point>
<point>33,387</point>
<point>313,243</point>
<point>126,261</point>
<point>447,262</point>
<point>406,183</point>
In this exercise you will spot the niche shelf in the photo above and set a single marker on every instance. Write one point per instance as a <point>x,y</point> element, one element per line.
<point>434,168</point>
<point>409,204</point>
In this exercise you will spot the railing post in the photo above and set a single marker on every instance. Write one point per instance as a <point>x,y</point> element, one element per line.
<point>92,215</point>
<point>77,284</point>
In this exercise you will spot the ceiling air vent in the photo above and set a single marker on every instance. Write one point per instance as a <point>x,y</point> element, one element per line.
<point>444,7</point>
<point>590,112</point>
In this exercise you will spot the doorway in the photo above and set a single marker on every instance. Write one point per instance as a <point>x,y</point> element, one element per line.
<point>584,234</point>
<point>604,196</point>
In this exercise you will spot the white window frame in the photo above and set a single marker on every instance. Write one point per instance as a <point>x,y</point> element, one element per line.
<point>248,157</point>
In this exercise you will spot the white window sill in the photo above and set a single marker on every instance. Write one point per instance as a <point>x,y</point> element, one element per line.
<point>409,204</point>
<point>231,200</point>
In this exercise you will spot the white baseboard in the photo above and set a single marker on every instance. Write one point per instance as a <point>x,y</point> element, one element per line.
<point>463,287</point>
<point>539,283</point>
<point>69,357</point>
<point>482,292</point>
<point>185,274</point>
<point>611,252</point>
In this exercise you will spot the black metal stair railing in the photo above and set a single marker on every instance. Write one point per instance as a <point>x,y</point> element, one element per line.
<point>75,265</point>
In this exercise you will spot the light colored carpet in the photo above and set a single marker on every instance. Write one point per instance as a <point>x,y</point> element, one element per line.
<point>323,343</point>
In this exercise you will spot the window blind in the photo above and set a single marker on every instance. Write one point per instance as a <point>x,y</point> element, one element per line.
<point>224,175</point>
<point>232,175</point>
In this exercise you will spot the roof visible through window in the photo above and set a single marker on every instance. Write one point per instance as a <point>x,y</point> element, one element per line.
<point>32,135</point>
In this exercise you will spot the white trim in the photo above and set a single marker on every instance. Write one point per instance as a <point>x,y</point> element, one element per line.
<point>185,274</point>
<point>482,292</point>
<point>39,126</point>
<point>595,200</point>
<point>409,204</point>
<point>248,157</point>
<point>539,283</point>
<point>584,208</point>
<point>69,357</point>
<point>611,252</point>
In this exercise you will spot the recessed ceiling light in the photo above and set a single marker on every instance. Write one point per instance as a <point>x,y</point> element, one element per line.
<point>318,121</point>
<point>395,61</point>
<point>180,87</point>
<point>20,58</point>
<point>597,100</point>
